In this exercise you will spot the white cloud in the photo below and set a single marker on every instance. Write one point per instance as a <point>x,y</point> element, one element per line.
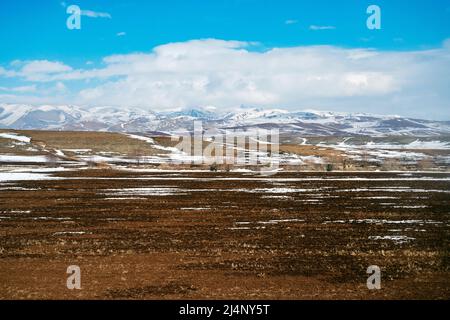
<point>7,73</point>
<point>121,34</point>
<point>317,28</point>
<point>16,63</point>
<point>226,74</point>
<point>291,21</point>
<point>60,86</point>
<point>21,89</point>
<point>38,69</point>
<point>95,14</point>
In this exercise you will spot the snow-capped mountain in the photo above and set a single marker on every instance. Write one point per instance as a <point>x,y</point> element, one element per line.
<point>128,119</point>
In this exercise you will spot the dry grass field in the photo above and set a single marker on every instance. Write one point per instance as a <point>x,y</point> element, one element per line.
<point>156,235</point>
<point>106,142</point>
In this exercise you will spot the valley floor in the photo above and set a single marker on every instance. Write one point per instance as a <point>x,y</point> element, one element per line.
<point>143,234</point>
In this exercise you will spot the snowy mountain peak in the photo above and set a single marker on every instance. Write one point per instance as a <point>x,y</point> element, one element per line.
<point>193,113</point>
<point>131,119</point>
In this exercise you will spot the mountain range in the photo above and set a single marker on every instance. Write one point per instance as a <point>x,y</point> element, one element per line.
<point>130,119</point>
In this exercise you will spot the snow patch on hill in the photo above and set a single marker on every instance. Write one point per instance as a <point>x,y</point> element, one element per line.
<point>131,119</point>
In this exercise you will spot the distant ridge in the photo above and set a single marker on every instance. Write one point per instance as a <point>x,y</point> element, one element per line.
<point>129,119</point>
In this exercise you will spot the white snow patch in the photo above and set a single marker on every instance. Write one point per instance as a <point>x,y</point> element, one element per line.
<point>14,136</point>
<point>59,153</point>
<point>28,159</point>
<point>77,150</point>
<point>384,221</point>
<point>396,238</point>
<point>142,138</point>
<point>143,191</point>
<point>70,233</point>
<point>277,221</point>
<point>25,176</point>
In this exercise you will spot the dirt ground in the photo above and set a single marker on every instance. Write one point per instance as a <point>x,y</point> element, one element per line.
<point>142,235</point>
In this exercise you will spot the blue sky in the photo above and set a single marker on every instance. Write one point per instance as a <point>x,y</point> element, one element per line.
<point>35,31</point>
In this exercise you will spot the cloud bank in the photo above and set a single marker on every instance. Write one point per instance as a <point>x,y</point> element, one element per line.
<point>227,74</point>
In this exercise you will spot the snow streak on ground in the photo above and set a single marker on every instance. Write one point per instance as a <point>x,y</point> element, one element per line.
<point>304,193</point>
<point>25,176</point>
<point>157,191</point>
<point>14,136</point>
<point>26,159</point>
